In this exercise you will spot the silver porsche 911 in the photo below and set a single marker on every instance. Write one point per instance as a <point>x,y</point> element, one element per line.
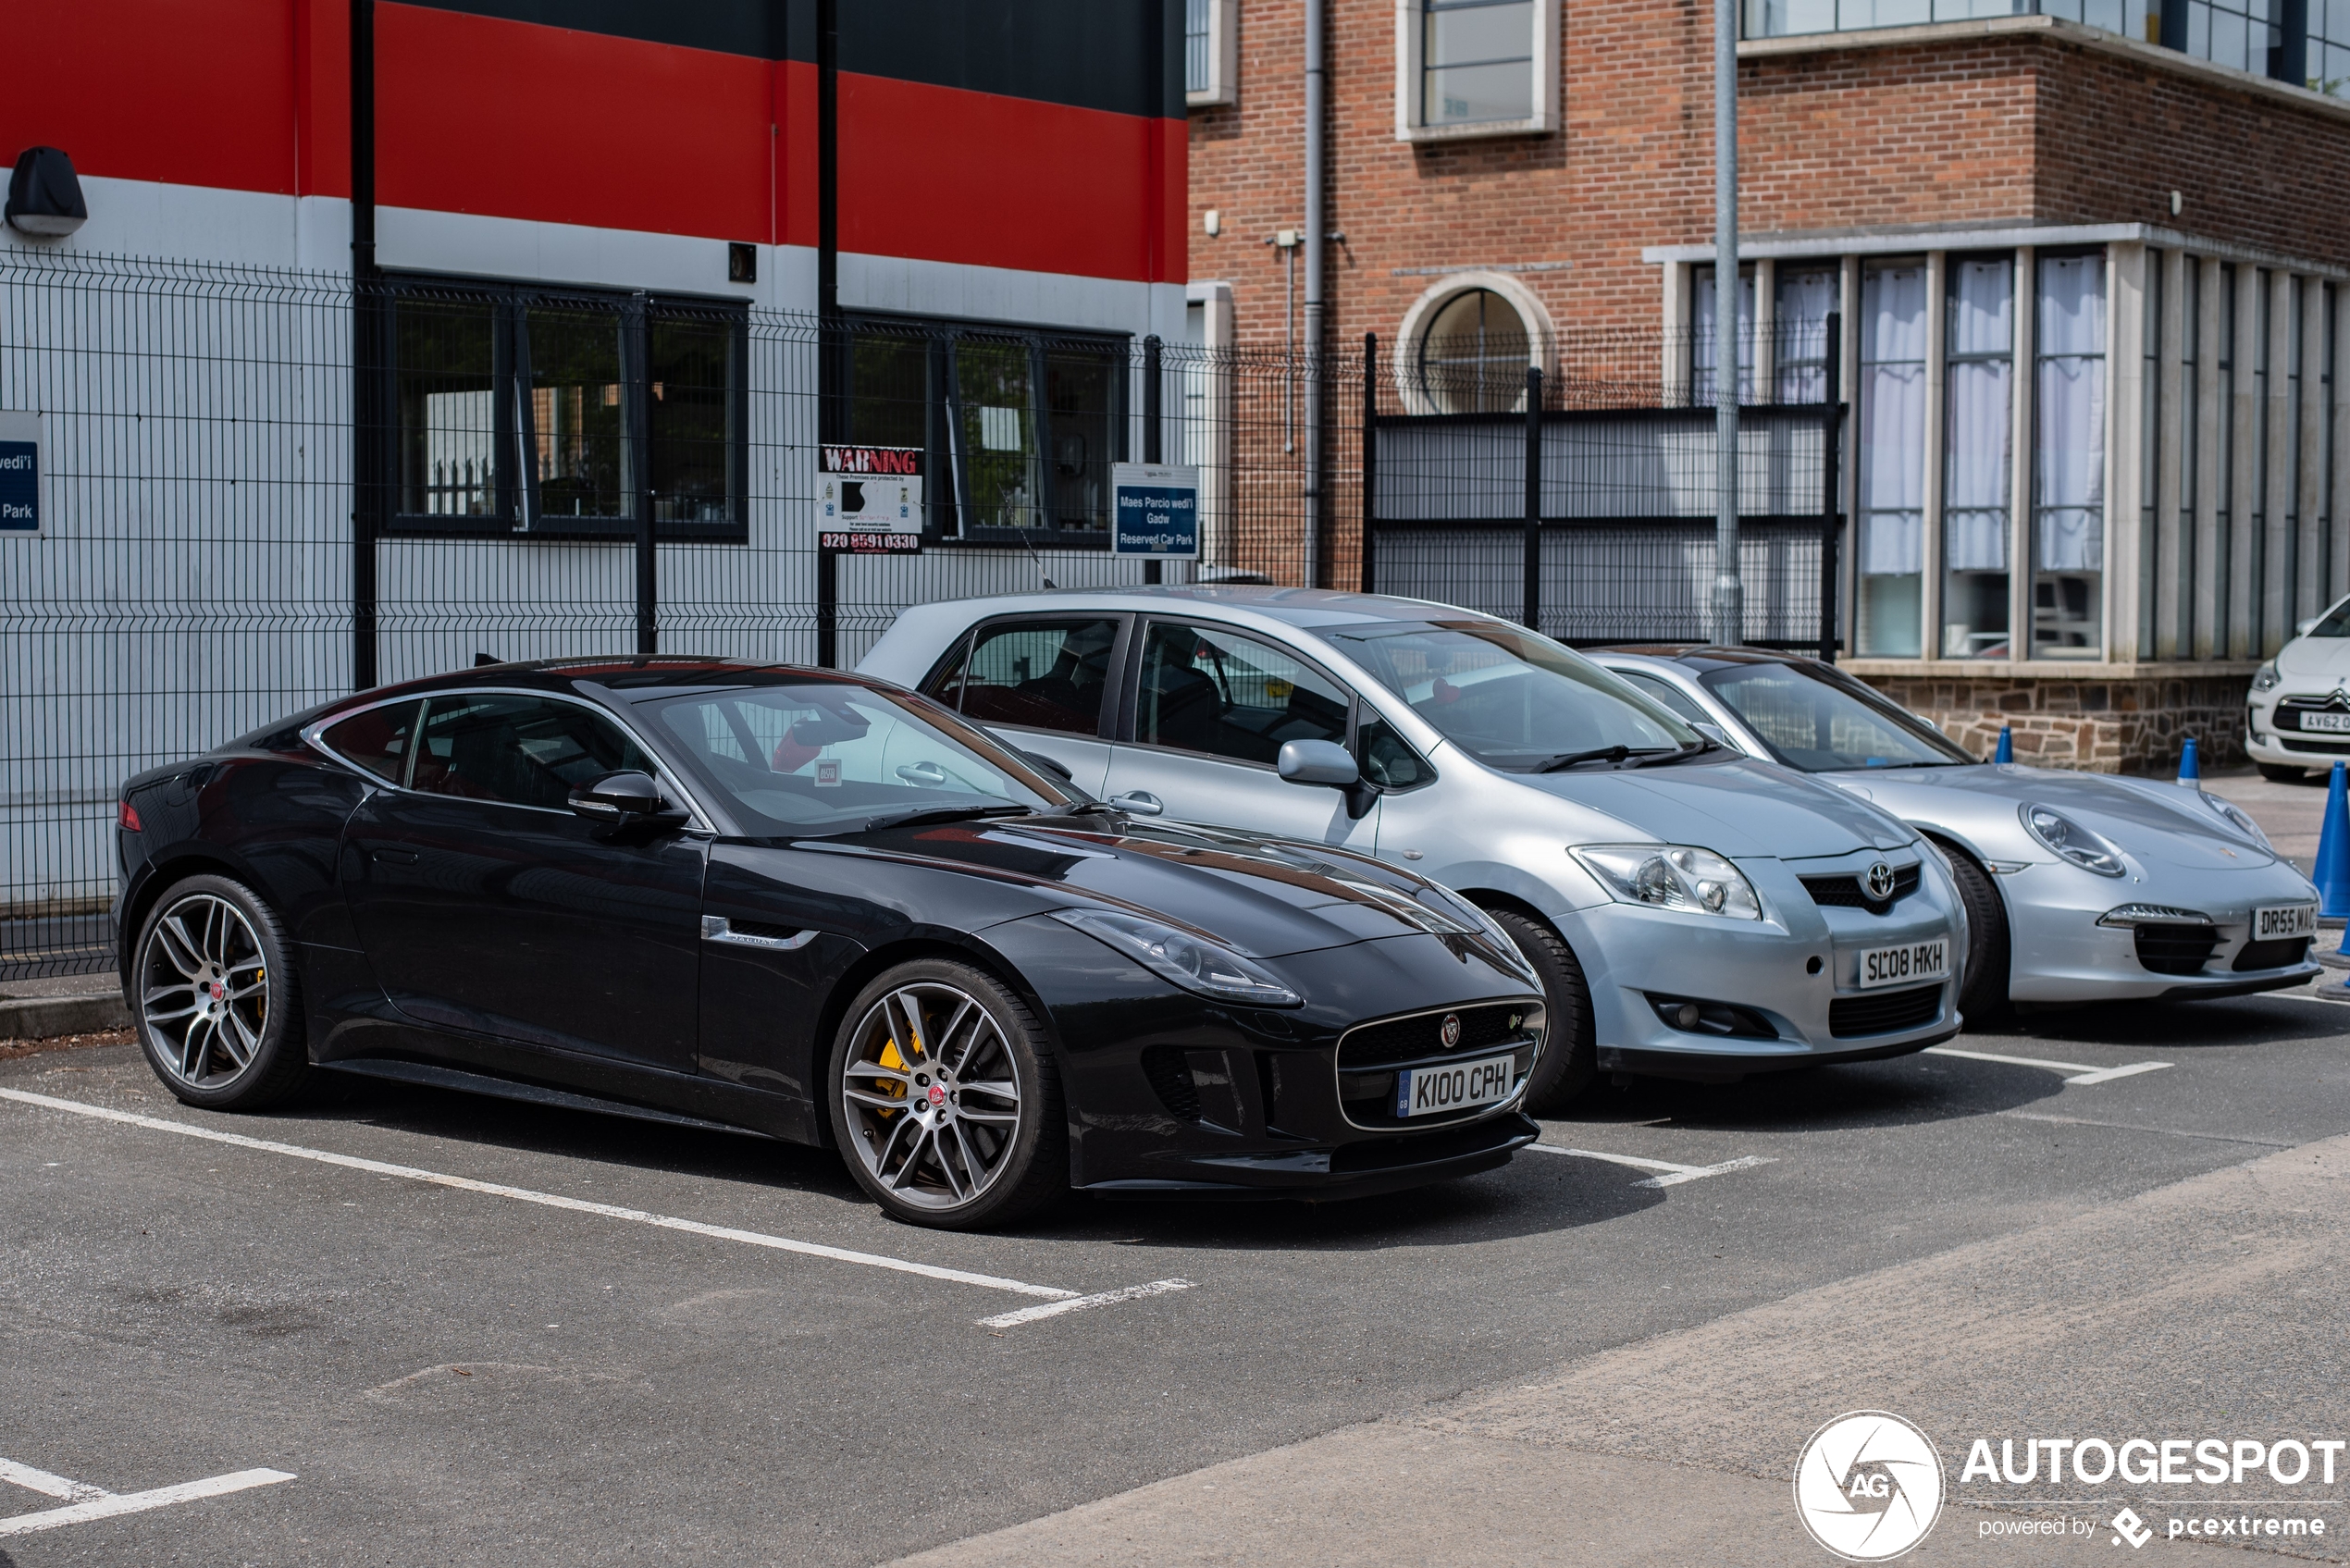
<point>2078,887</point>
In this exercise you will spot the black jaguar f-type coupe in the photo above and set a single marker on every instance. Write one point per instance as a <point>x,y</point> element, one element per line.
<point>816,907</point>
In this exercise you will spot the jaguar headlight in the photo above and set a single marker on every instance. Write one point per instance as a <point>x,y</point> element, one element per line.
<point>2239,819</point>
<point>1671,876</point>
<point>2069,842</point>
<point>2266,678</point>
<point>1207,968</point>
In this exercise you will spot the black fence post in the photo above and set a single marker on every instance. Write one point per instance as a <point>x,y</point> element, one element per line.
<point>1533,498</point>
<point>831,346</point>
<point>1154,417</point>
<point>1371,459</point>
<point>1831,430</point>
<point>366,334</point>
<point>636,336</point>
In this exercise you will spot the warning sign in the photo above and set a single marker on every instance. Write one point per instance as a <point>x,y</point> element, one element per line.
<point>869,490</point>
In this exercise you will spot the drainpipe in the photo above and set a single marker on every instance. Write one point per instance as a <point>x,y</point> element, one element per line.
<point>1315,226</point>
<point>1729,590</point>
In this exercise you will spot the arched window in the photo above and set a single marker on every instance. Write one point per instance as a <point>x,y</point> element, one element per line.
<point>1473,356</point>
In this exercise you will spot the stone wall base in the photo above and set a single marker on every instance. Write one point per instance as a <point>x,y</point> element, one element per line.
<point>2129,726</point>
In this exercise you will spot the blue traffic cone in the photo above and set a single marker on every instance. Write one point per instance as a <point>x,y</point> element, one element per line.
<point>2007,746</point>
<point>2189,774</point>
<point>2332,870</point>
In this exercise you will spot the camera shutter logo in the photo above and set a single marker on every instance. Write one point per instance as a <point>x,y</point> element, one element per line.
<point>1868,1486</point>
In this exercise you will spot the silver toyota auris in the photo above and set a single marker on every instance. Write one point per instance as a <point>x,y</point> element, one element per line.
<point>2078,886</point>
<point>1692,912</point>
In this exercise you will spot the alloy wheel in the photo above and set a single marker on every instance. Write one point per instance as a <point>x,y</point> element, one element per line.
<point>203,991</point>
<point>932,1095</point>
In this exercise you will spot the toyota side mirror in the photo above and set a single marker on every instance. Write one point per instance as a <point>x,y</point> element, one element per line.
<point>629,797</point>
<point>1316,762</point>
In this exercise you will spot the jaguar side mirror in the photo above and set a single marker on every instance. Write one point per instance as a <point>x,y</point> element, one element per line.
<point>623,797</point>
<point>1316,762</point>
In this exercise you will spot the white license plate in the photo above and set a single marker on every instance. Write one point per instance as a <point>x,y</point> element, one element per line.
<point>1421,1092</point>
<point>2332,723</point>
<point>1908,964</point>
<point>2284,920</point>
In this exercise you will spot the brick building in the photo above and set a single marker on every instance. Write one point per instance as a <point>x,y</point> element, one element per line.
<point>2091,270</point>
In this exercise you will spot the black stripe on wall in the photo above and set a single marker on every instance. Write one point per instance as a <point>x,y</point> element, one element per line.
<point>1124,57</point>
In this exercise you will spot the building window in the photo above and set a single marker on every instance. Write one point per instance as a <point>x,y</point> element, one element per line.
<point>2243,33</point>
<point>1211,51</point>
<point>1803,300</point>
<point>1473,357</point>
<point>1476,67</point>
<point>563,412</point>
<point>1977,473</point>
<point>2067,461</point>
<point>1705,337</point>
<point>2327,68</point>
<point>1892,460</point>
<point>1782,19</point>
<point>1018,428</point>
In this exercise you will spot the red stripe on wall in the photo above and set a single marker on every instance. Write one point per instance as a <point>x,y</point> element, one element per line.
<point>155,89</point>
<point>947,175</point>
<point>477,114</point>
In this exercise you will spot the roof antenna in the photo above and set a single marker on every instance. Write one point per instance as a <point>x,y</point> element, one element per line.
<point>1036,557</point>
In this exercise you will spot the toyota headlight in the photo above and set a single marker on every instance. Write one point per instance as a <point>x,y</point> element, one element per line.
<point>1180,959</point>
<point>2266,678</point>
<point>1671,876</point>
<point>2239,819</point>
<point>2071,843</point>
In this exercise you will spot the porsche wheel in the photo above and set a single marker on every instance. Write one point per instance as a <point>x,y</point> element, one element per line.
<point>946,1108</point>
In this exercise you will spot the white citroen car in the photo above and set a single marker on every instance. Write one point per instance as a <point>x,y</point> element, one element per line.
<point>1692,912</point>
<point>2300,709</point>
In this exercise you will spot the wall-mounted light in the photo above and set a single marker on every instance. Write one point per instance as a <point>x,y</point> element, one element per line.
<point>2177,203</point>
<point>44,197</point>
<point>1214,222</point>
<point>742,262</point>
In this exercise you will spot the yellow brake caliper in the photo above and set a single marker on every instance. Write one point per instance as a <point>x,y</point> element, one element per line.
<point>895,1063</point>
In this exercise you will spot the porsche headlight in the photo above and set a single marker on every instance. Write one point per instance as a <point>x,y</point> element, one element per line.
<point>2239,819</point>
<point>1671,876</point>
<point>2071,843</point>
<point>1192,962</point>
<point>2266,678</point>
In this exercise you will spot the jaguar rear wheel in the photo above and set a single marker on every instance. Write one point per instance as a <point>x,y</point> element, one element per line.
<point>215,994</point>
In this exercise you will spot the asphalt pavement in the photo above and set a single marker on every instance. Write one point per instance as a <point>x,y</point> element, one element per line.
<point>411,1326</point>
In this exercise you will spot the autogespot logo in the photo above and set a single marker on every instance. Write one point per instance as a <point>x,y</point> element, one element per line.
<point>1868,1486</point>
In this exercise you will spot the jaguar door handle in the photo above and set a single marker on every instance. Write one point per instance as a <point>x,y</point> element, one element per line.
<point>395,857</point>
<point>1139,802</point>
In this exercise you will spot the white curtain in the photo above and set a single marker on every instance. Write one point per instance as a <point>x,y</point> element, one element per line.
<point>1805,301</point>
<point>2069,465</point>
<point>1893,307</point>
<point>1976,474</point>
<point>1705,342</point>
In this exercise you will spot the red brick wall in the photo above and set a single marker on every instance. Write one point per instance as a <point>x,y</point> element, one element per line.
<point>2000,128</point>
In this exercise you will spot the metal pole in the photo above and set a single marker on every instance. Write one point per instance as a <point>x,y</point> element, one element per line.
<point>1153,413</point>
<point>1533,616</point>
<point>1831,486</point>
<point>1370,458</point>
<point>367,414</point>
<point>640,452</point>
<point>1729,591</point>
<point>828,331</point>
<point>1315,225</point>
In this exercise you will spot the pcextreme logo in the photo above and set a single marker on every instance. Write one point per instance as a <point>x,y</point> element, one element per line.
<point>1868,1485</point>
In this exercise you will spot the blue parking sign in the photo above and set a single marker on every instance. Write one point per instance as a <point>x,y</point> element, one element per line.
<point>20,473</point>
<point>1154,510</point>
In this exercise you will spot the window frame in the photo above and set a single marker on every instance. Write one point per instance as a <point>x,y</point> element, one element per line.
<point>515,513</point>
<point>1411,44</point>
<point>945,468</point>
<point>1106,725</point>
<point>1131,689</point>
<point>1223,53</point>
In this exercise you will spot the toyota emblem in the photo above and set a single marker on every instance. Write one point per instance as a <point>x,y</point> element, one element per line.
<point>1880,884</point>
<point>1451,1032</point>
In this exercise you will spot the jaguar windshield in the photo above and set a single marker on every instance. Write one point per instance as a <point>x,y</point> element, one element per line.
<point>1513,700</point>
<point>817,758</point>
<point>1823,723</point>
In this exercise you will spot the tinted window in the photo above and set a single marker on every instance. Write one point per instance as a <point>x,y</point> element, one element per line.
<point>1208,689</point>
<point>2336,623</point>
<point>1665,691</point>
<point>522,750</point>
<point>1388,763</point>
<point>1038,675</point>
<point>377,740</point>
<point>1821,724</point>
<point>1507,698</point>
<point>791,757</point>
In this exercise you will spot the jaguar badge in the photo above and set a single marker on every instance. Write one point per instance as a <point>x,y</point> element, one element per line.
<point>1451,1032</point>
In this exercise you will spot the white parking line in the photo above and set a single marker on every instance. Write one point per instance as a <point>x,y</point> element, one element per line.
<point>93,1502</point>
<point>1674,1175</point>
<point>1069,1299</point>
<point>1079,1303</point>
<point>2081,1072</point>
